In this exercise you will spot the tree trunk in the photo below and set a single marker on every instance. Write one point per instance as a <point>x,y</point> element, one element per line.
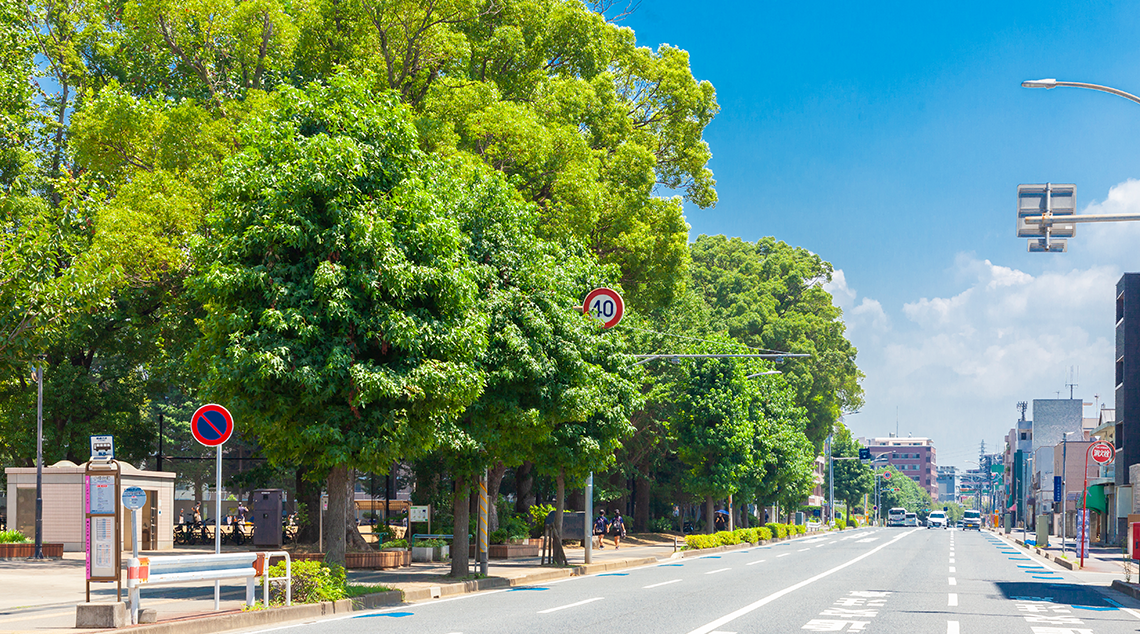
<point>309,494</point>
<point>641,503</point>
<point>524,487</point>
<point>494,481</point>
<point>336,527</point>
<point>559,508</point>
<point>460,506</point>
<point>353,539</point>
<point>710,515</point>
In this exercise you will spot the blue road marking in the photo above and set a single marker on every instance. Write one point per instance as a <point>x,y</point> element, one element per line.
<point>615,574</point>
<point>1098,608</point>
<point>1114,603</point>
<point>671,565</point>
<point>1024,566</point>
<point>1038,572</point>
<point>1020,559</point>
<point>1038,577</point>
<point>711,557</point>
<point>392,614</point>
<point>526,589</point>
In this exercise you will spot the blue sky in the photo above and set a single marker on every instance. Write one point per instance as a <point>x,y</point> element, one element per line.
<point>890,138</point>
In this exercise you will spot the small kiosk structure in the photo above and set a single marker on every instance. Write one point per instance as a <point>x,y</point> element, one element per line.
<point>64,510</point>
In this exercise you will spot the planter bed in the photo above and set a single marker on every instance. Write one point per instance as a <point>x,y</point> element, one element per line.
<point>25,551</point>
<point>512,551</point>
<point>389,558</point>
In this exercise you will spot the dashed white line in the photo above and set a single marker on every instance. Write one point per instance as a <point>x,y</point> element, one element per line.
<point>952,627</point>
<point>953,569</point>
<point>953,581</point>
<point>802,550</point>
<point>572,605</point>
<point>713,572</point>
<point>753,563</point>
<point>783,555</point>
<point>952,600</point>
<point>951,560</point>
<point>663,583</point>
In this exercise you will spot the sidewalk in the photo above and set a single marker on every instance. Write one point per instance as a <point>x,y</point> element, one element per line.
<point>40,596</point>
<point>1100,559</point>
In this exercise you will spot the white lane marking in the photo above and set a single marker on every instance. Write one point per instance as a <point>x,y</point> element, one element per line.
<point>951,560</point>
<point>952,600</point>
<point>1131,611</point>
<point>753,563</point>
<point>952,627</point>
<point>713,572</point>
<point>802,550</point>
<point>823,544</point>
<point>953,569</point>
<point>572,605</point>
<point>783,555</point>
<point>953,581</point>
<point>710,627</point>
<point>658,585</point>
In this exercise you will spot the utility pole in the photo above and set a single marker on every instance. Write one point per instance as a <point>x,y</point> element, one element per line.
<point>39,552</point>
<point>830,483</point>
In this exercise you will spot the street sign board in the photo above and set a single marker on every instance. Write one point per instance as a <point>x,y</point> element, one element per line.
<point>134,498</point>
<point>102,448</point>
<point>1057,486</point>
<point>1035,200</point>
<point>886,475</point>
<point>212,425</point>
<point>605,304</point>
<point>1102,452</point>
<point>418,513</point>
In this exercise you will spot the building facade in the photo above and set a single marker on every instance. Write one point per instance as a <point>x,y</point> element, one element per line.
<point>947,484</point>
<point>913,457</point>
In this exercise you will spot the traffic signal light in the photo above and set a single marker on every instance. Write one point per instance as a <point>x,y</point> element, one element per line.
<point>864,453</point>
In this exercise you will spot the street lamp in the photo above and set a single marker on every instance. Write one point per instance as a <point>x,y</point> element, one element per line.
<point>1053,83</point>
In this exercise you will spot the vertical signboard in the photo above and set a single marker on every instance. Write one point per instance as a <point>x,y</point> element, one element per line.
<point>101,523</point>
<point>1083,532</point>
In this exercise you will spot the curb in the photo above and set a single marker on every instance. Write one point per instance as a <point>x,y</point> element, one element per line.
<point>1126,588</point>
<point>237,620</point>
<point>1064,563</point>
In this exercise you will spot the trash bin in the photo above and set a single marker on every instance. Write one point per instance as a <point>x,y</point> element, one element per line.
<point>267,507</point>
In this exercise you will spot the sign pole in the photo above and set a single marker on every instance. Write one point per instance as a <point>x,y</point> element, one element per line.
<point>588,538</point>
<point>39,553</point>
<point>217,526</point>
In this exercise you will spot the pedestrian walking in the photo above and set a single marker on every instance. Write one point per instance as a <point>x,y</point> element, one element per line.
<point>617,527</point>
<point>600,527</point>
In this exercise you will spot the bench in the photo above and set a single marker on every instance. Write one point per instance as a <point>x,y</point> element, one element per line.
<point>182,568</point>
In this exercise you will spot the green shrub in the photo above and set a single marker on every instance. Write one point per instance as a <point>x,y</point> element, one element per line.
<point>516,527</point>
<point>780,531</point>
<point>358,590</point>
<point>313,582</point>
<point>840,524</point>
<point>661,524</point>
<point>395,543</point>
<point>852,522</point>
<point>13,537</point>
<point>799,529</point>
<point>697,542</point>
<point>430,543</point>
<point>764,533</point>
<point>499,536</point>
<point>538,514</point>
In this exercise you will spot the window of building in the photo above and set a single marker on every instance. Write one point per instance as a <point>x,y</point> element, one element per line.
<point>1023,435</point>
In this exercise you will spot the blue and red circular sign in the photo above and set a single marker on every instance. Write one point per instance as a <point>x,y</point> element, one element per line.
<point>212,425</point>
<point>604,304</point>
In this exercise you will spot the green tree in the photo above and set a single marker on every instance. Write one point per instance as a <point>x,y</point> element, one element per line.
<point>900,491</point>
<point>340,317</point>
<point>769,295</point>
<point>852,477</point>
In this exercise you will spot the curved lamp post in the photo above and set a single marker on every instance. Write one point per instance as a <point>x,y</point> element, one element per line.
<point>1053,83</point>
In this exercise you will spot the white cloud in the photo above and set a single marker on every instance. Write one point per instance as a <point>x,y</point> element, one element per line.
<point>956,366</point>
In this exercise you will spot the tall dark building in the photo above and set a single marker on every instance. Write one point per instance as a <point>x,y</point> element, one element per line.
<point>1127,375</point>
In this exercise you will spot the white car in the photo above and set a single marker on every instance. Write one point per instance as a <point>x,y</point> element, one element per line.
<point>911,520</point>
<point>937,519</point>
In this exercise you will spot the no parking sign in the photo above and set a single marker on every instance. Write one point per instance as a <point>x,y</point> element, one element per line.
<point>212,425</point>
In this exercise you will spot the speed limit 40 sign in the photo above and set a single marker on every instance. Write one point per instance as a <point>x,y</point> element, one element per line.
<point>1102,452</point>
<point>604,304</point>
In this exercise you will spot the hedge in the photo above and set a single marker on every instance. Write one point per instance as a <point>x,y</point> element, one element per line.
<point>738,536</point>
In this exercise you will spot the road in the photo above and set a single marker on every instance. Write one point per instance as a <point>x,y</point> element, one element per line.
<point>871,580</point>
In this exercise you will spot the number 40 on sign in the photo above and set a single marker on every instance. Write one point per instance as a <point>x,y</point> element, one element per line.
<point>604,304</point>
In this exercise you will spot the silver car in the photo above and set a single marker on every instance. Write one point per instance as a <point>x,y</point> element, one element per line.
<point>937,519</point>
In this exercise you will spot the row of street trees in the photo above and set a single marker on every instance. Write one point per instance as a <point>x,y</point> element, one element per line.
<point>364,227</point>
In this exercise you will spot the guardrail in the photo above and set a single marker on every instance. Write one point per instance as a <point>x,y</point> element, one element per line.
<point>180,569</point>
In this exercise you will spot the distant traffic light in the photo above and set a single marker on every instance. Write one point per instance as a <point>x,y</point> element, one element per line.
<point>864,453</point>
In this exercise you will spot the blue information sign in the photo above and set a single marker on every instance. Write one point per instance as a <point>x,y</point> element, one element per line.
<point>1057,486</point>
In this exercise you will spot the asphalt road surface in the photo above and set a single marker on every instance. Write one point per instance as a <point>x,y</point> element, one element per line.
<point>870,580</point>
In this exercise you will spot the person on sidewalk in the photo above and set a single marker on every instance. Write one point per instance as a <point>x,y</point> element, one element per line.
<point>618,528</point>
<point>600,527</point>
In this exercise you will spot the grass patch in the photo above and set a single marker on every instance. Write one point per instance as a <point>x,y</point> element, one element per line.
<point>354,590</point>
